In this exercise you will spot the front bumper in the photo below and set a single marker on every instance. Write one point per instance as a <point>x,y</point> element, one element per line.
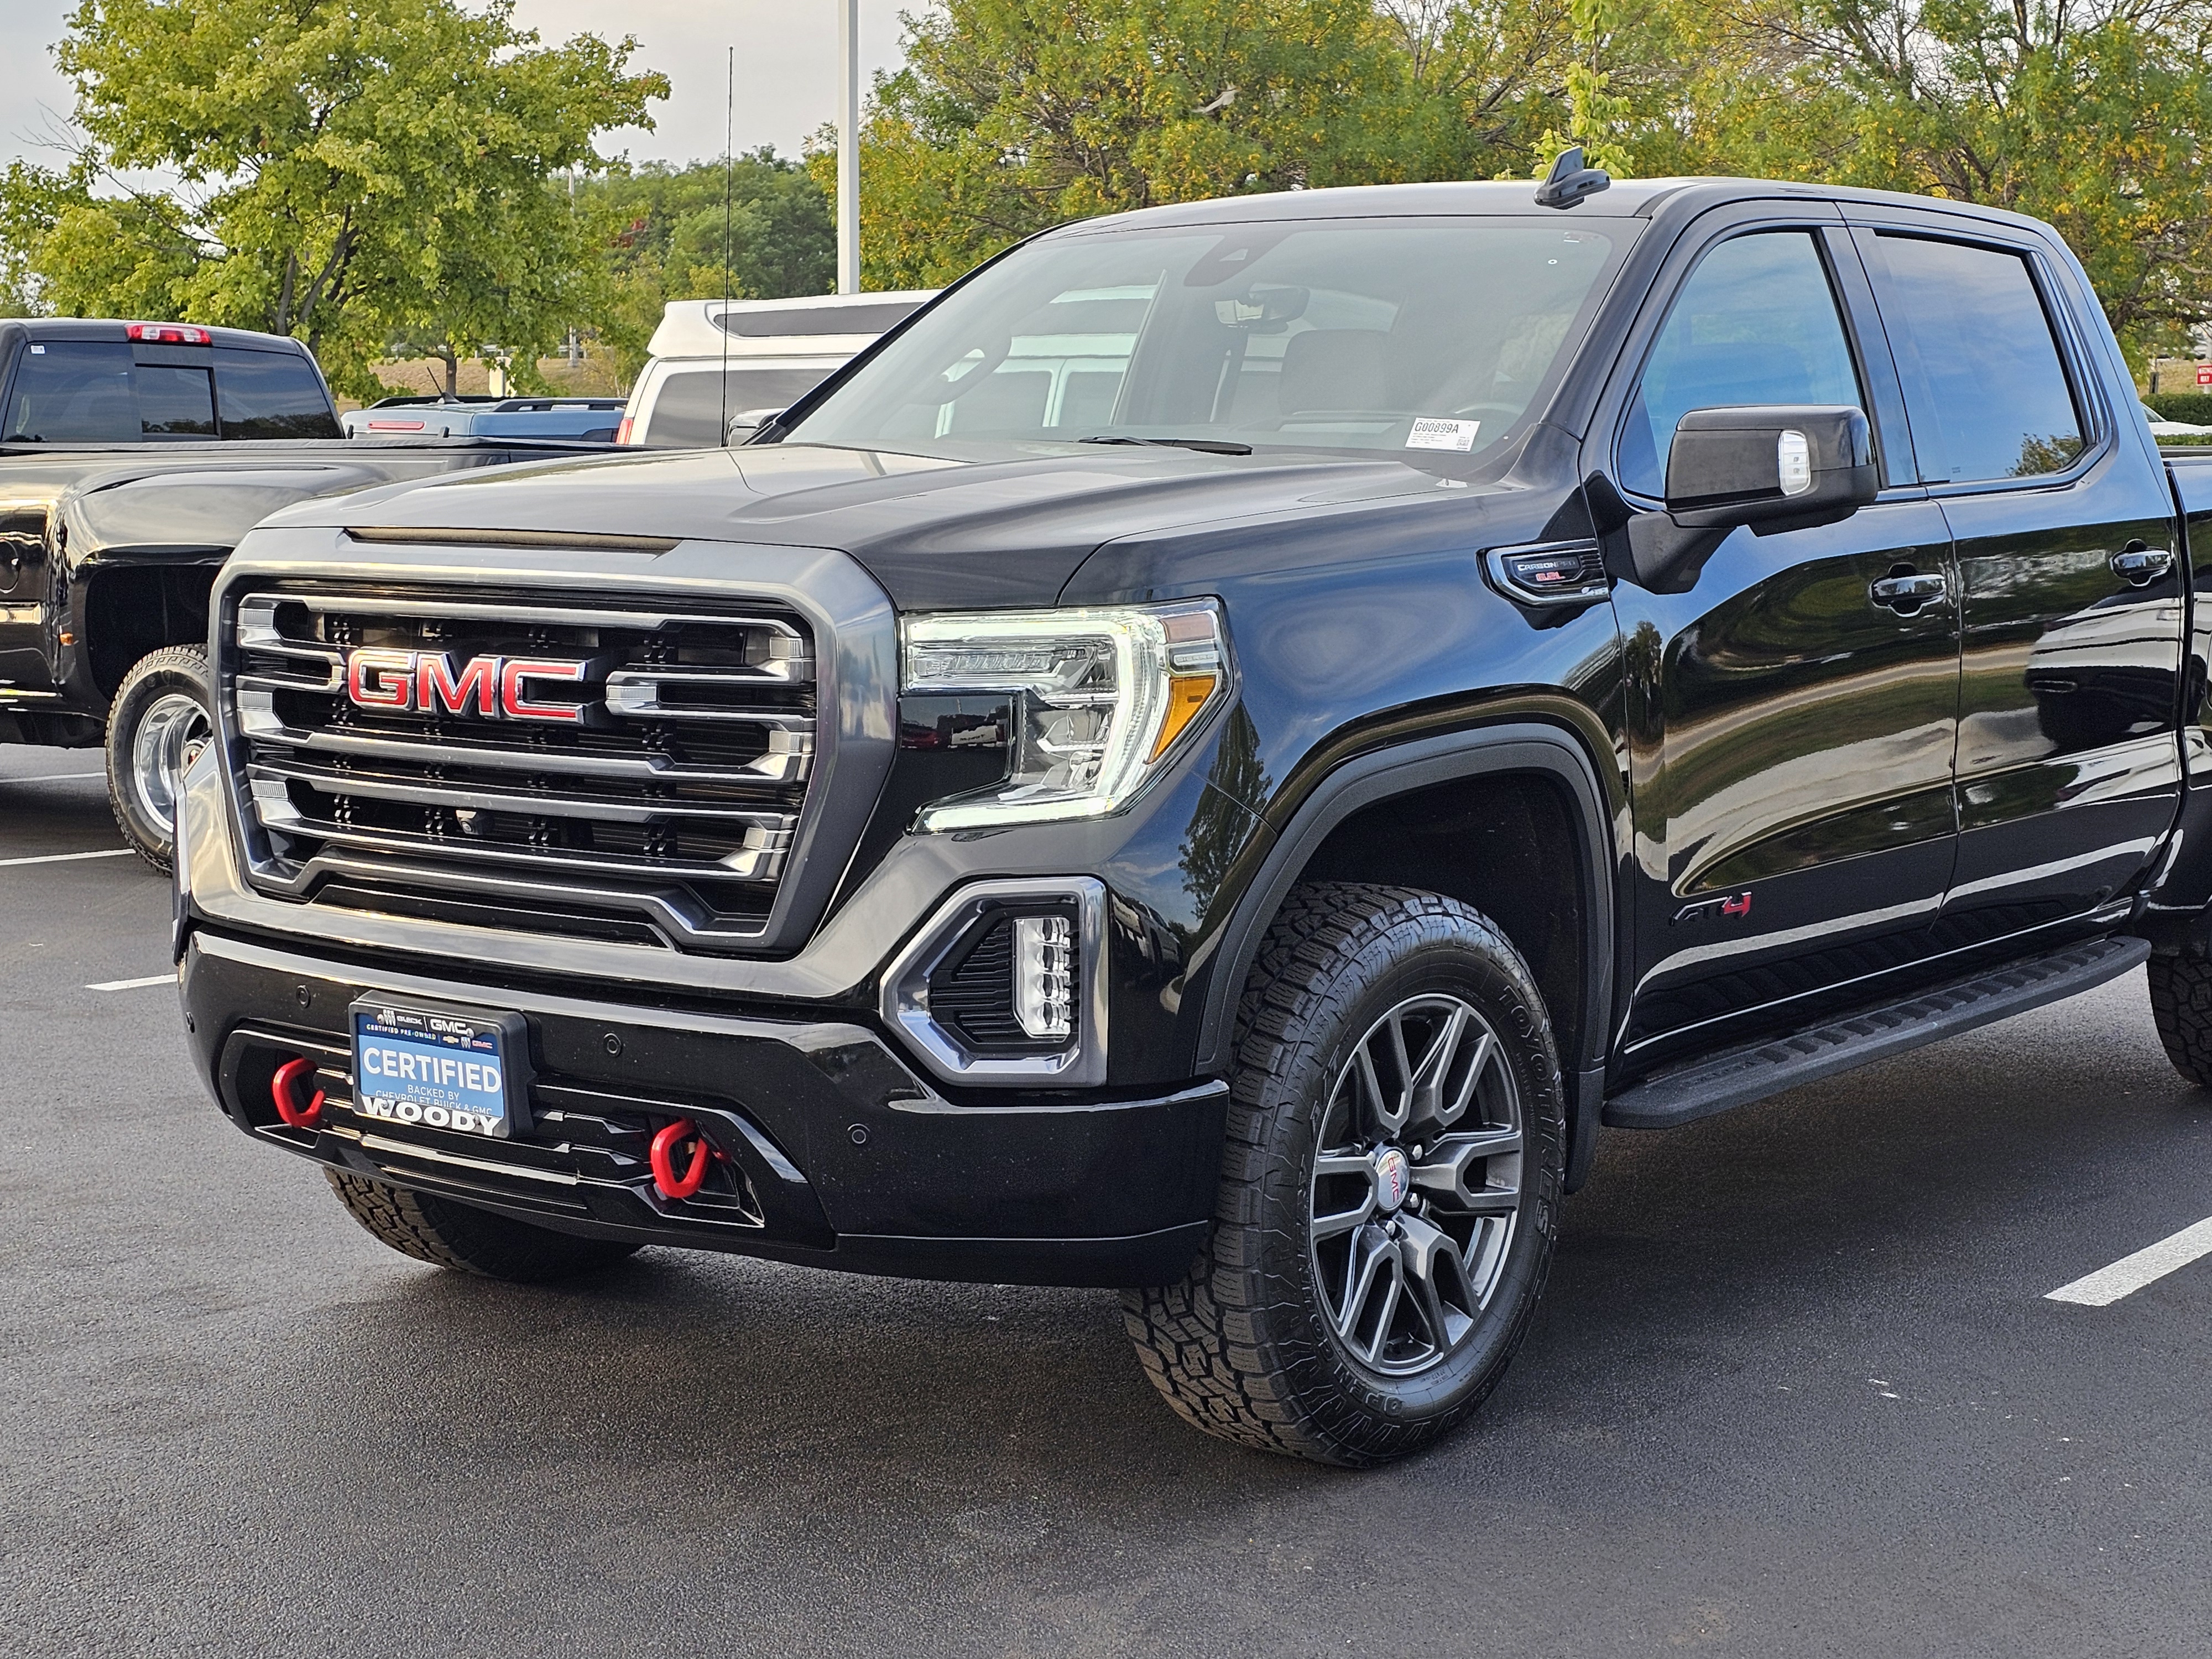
<point>852,1160</point>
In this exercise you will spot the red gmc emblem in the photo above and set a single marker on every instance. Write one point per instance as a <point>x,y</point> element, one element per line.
<point>426,682</point>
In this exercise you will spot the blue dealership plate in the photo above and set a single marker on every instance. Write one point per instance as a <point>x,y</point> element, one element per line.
<point>439,1068</point>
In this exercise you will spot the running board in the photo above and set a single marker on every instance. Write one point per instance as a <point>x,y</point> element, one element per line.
<point>1743,1075</point>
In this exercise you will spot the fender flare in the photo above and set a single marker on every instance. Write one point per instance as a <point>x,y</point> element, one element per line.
<point>1526,747</point>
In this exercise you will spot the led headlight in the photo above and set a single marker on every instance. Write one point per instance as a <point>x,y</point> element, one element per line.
<point>1099,698</point>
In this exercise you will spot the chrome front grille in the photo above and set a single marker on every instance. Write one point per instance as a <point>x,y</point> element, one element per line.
<point>570,763</point>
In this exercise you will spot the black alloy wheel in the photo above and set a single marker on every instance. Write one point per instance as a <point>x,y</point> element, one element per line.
<point>1390,1188</point>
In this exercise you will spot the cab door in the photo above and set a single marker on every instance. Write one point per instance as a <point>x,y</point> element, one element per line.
<point>2069,769</point>
<point>1793,715</point>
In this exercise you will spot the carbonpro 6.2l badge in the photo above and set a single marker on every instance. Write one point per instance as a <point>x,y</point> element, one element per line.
<point>489,688</point>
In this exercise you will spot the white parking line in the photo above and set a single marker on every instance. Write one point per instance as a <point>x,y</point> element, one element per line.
<point>63,858</point>
<point>2132,1272</point>
<point>55,777</point>
<point>133,984</point>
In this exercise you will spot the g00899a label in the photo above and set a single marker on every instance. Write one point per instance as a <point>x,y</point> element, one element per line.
<point>1433,432</point>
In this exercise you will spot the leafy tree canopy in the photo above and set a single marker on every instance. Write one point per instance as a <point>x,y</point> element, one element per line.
<point>1013,115</point>
<point>2093,114</point>
<point>362,173</point>
<point>353,173</point>
<point>662,229</point>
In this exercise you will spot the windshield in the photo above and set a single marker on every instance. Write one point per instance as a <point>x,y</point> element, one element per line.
<point>1403,335</point>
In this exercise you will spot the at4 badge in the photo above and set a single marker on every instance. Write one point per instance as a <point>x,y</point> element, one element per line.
<point>1722,906</point>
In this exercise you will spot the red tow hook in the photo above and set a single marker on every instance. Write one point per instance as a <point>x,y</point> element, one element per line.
<point>672,1185</point>
<point>280,1090</point>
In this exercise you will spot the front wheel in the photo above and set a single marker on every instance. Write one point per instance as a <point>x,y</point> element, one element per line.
<point>157,725</point>
<point>1390,1185</point>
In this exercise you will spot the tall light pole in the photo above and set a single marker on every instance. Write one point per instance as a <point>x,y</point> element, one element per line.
<point>848,146</point>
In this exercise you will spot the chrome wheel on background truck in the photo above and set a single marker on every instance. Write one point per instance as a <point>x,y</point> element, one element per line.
<point>157,725</point>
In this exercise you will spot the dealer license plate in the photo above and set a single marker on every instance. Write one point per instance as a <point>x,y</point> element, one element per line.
<point>437,1068</point>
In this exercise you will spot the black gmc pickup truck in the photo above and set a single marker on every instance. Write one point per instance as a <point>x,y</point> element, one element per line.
<point>132,457</point>
<point>1212,761</point>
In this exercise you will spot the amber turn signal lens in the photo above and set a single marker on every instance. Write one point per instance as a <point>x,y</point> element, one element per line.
<point>1186,694</point>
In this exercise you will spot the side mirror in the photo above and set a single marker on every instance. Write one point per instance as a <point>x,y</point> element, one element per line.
<point>1770,466</point>
<point>747,421</point>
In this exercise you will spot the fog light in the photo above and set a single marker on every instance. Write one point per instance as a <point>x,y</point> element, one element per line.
<point>1044,977</point>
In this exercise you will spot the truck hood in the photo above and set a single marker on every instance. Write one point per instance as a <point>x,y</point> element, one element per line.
<point>936,533</point>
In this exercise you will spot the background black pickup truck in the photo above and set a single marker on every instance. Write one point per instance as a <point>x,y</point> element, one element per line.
<point>1213,759</point>
<point>132,457</point>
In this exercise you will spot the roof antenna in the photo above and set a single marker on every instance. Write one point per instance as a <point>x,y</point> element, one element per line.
<point>729,191</point>
<point>1569,181</point>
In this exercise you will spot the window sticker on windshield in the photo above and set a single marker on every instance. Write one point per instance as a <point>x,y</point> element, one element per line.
<point>1429,432</point>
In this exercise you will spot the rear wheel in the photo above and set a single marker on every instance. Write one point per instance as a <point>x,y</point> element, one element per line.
<point>156,726</point>
<point>449,1235</point>
<point>1390,1185</point>
<point>2181,1005</point>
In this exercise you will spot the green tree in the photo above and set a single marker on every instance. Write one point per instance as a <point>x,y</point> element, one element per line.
<point>1473,83</point>
<point>1597,112</point>
<point>350,172</point>
<point>1012,115</point>
<point>2095,115</point>
<point>661,230</point>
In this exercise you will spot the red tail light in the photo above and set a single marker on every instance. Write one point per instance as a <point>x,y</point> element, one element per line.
<point>622,432</point>
<point>396,426</point>
<point>168,334</point>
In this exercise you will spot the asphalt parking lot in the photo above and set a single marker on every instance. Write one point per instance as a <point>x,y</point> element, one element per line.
<point>1797,1390</point>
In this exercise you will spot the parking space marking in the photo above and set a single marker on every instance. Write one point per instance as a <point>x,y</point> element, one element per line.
<point>2132,1272</point>
<point>55,777</point>
<point>64,858</point>
<point>133,984</point>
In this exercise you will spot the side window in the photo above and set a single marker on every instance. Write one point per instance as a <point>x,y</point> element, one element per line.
<point>271,394</point>
<point>687,412</point>
<point>69,391</point>
<point>1984,382</point>
<point>1756,323</point>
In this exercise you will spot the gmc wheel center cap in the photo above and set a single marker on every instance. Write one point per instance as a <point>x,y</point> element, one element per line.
<point>1394,1174</point>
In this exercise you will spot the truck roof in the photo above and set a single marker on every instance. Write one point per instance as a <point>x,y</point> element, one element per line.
<point>108,329</point>
<point>1625,198</point>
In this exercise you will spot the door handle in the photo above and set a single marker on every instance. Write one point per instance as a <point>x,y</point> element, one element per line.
<point>1905,593</point>
<point>2139,566</point>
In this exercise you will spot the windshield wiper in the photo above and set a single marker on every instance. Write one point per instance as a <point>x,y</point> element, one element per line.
<point>1207,446</point>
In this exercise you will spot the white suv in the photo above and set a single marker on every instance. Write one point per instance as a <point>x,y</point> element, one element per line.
<point>771,353</point>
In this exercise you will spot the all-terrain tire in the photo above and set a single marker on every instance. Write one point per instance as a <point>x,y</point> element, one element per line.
<point>160,715</point>
<point>460,1236</point>
<point>2181,1004</point>
<point>1246,1348</point>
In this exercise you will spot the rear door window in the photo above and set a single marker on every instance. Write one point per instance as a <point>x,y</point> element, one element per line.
<point>1984,383</point>
<point>272,394</point>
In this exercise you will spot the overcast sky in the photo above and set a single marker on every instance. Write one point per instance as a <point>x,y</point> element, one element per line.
<point>787,80</point>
